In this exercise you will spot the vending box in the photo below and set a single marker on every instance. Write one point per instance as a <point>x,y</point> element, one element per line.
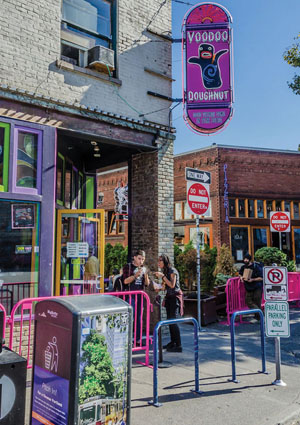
<point>82,361</point>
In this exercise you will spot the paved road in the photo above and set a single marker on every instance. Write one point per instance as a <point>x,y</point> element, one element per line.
<point>253,401</point>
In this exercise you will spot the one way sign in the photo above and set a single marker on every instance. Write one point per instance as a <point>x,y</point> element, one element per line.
<point>192,174</point>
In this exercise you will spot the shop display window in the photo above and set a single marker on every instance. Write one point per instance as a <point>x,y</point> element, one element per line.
<point>204,236</point>
<point>4,156</point>
<point>260,237</point>
<point>19,248</point>
<point>28,159</point>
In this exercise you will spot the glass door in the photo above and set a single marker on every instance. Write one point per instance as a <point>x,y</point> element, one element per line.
<point>260,238</point>
<point>79,252</point>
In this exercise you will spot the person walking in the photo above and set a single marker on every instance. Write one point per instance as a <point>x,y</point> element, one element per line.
<point>252,277</point>
<point>173,300</point>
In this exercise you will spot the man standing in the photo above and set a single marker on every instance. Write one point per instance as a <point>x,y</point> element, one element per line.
<point>252,277</point>
<point>135,278</point>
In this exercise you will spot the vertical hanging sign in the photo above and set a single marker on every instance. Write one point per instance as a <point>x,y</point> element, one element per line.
<point>208,92</point>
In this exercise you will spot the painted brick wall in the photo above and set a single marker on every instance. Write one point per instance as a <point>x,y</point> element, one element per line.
<point>30,47</point>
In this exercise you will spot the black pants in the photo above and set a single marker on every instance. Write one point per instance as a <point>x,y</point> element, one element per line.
<point>173,306</point>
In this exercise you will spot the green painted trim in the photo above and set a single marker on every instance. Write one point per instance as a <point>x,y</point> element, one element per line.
<point>4,187</point>
<point>89,191</point>
<point>61,201</point>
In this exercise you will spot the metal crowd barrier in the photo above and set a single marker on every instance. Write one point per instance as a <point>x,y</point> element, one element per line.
<point>262,337</point>
<point>235,294</point>
<point>23,314</point>
<point>155,354</point>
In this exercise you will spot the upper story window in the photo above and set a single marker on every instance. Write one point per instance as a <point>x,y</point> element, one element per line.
<point>4,156</point>
<point>85,25</point>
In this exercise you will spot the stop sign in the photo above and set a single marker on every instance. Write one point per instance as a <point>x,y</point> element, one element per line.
<point>198,198</point>
<point>280,221</point>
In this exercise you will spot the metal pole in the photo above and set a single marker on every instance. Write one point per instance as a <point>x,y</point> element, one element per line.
<point>278,380</point>
<point>280,242</point>
<point>198,273</point>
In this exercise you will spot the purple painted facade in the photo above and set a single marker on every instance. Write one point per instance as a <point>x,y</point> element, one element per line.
<point>208,95</point>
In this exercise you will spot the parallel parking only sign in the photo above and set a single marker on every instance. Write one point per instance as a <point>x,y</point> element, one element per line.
<point>277,319</point>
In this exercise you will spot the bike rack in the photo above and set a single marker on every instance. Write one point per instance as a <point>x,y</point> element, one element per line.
<point>155,402</point>
<point>262,337</point>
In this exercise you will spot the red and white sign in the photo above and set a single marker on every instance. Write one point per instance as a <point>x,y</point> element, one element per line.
<point>280,221</point>
<point>275,283</point>
<point>198,197</point>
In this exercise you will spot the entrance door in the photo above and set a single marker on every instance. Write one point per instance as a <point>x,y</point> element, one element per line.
<point>79,252</point>
<point>260,237</point>
<point>285,242</point>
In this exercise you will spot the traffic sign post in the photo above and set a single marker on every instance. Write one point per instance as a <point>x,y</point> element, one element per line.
<point>276,310</point>
<point>198,201</point>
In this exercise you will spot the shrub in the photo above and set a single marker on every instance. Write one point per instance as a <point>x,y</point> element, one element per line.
<point>225,262</point>
<point>115,257</point>
<point>271,255</point>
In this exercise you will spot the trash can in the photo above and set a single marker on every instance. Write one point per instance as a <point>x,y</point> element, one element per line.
<point>82,361</point>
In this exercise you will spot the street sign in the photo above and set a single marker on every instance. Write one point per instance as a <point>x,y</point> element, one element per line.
<point>280,221</point>
<point>192,174</point>
<point>198,198</point>
<point>277,319</point>
<point>275,283</point>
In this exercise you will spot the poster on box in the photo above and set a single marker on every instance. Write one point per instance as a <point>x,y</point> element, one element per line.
<point>22,216</point>
<point>103,353</point>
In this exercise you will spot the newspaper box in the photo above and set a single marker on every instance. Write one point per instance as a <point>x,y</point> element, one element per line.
<point>82,361</point>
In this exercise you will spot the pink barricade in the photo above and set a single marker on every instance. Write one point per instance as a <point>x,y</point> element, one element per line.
<point>2,308</point>
<point>235,294</point>
<point>21,323</point>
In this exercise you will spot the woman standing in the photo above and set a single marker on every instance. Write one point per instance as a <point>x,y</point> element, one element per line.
<point>173,300</point>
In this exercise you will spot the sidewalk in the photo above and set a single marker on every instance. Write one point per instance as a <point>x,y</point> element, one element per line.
<point>253,401</point>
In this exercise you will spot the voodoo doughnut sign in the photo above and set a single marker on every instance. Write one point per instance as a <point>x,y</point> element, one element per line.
<point>207,39</point>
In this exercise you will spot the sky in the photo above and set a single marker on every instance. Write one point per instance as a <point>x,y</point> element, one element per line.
<point>266,111</point>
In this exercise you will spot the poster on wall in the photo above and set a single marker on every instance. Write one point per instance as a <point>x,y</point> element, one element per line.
<point>207,39</point>
<point>121,201</point>
<point>103,401</point>
<point>22,216</point>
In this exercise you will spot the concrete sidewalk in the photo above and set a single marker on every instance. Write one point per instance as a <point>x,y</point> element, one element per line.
<point>253,401</point>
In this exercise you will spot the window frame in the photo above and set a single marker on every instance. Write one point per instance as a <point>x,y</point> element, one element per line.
<point>61,201</point>
<point>249,235</point>
<point>27,190</point>
<point>6,147</point>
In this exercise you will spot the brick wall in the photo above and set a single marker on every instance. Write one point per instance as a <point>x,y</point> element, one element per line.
<point>30,47</point>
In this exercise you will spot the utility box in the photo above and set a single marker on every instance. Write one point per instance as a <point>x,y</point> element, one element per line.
<point>13,369</point>
<point>82,361</point>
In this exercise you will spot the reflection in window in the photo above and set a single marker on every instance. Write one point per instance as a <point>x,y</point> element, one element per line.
<point>187,211</point>
<point>260,208</point>
<point>242,211</point>
<point>251,208</point>
<point>27,160</point>
<point>178,210</point>
<point>239,242</point>
<point>204,236</point>
<point>296,210</point>
<point>232,212</point>
<point>259,238</point>
<point>269,208</point>
<point>278,205</point>
<point>287,206</point>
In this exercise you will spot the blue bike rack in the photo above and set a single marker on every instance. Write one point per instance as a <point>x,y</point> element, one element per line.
<point>262,337</point>
<point>155,355</point>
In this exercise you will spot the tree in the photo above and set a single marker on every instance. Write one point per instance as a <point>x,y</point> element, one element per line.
<point>225,264</point>
<point>98,373</point>
<point>292,57</point>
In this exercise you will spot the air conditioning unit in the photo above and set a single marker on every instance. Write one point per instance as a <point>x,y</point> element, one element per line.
<point>101,58</point>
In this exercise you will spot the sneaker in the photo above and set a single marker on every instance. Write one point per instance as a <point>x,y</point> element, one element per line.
<point>175,349</point>
<point>169,345</point>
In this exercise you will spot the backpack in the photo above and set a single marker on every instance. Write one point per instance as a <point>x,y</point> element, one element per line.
<point>118,283</point>
<point>259,267</point>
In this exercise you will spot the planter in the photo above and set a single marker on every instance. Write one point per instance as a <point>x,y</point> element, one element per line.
<point>219,293</point>
<point>208,308</point>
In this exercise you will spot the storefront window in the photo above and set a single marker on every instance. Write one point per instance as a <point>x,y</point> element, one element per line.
<point>278,205</point>
<point>296,210</point>
<point>260,208</point>
<point>232,212</point>
<point>74,188</point>
<point>80,191</point>
<point>60,179</point>
<point>297,246</point>
<point>242,211</point>
<point>178,210</point>
<point>269,208</point>
<point>251,208</point>
<point>68,184</point>
<point>27,176</point>
<point>204,236</point>
<point>4,156</point>
<point>287,206</point>
<point>259,238</point>
<point>187,211</point>
<point>19,250</point>
<point>239,242</point>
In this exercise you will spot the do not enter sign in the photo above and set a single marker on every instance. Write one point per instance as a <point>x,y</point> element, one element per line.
<point>198,198</point>
<point>280,221</point>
